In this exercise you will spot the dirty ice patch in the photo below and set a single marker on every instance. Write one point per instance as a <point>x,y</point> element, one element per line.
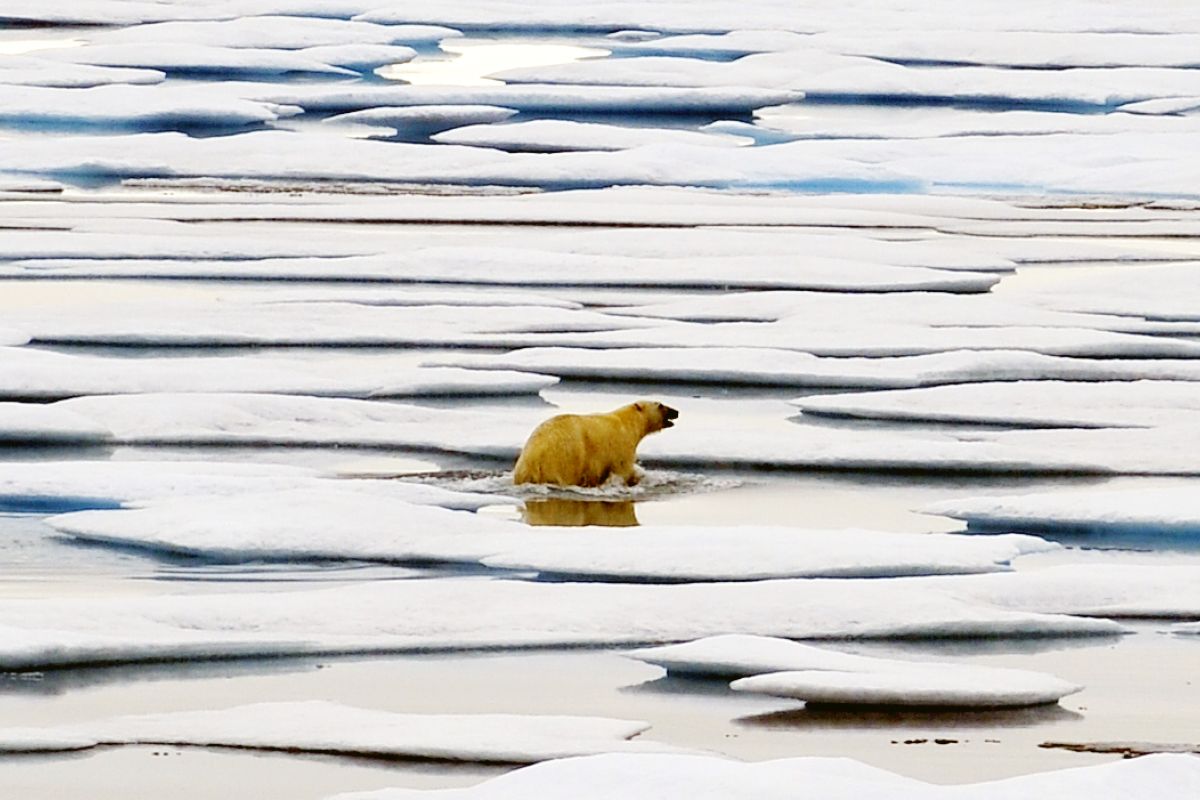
<point>196,59</point>
<point>318,726</point>
<point>1048,404</point>
<point>642,777</point>
<point>34,71</point>
<point>33,424</point>
<point>43,375</point>
<point>753,366</point>
<point>1095,590</point>
<point>330,524</point>
<point>557,136</point>
<point>275,33</point>
<point>472,614</point>
<point>1086,511</point>
<point>130,107</point>
<point>963,687</point>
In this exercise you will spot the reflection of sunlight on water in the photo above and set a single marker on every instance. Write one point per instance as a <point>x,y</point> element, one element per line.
<point>472,61</point>
<point>30,45</point>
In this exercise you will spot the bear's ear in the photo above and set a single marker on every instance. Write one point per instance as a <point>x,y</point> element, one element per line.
<point>639,407</point>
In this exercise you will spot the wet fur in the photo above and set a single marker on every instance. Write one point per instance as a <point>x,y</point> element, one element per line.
<point>588,449</point>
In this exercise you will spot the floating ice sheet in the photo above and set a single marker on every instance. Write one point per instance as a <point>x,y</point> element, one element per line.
<point>399,616</point>
<point>28,423</point>
<point>10,337</point>
<point>33,71</point>
<point>330,524</point>
<point>275,419</point>
<point>1050,404</point>
<point>58,486</point>
<point>950,686</point>
<point>127,106</point>
<point>291,32</point>
<point>753,366</point>
<point>1099,590</point>
<point>642,777</point>
<point>39,374</point>
<point>555,136</point>
<point>318,726</point>
<point>1130,511</point>
<point>430,119</point>
<point>179,58</point>
<point>1156,293</point>
<point>359,57</point>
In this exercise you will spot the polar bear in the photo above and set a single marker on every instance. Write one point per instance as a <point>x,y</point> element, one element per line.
<point>588,449</point>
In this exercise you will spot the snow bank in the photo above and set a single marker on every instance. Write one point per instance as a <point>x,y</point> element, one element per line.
<point>45,375</point>
<point>329,524</point>
<point>641,777</point>
<point>318,726</point>
<point>1049,404</point>
<point>1136,511</point>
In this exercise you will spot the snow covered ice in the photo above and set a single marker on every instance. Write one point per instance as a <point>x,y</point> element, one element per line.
<point>285,285</point>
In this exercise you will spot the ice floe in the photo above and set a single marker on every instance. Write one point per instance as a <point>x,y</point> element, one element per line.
<point>291,32</point>
<point>1099,590</point>
<point>129,106</point>
<point>789,669</point>
<point>190,59</point>
<point>424,120</point>
<point>329,524</point>
<point>9,337</point>
<point>359,57</point>
<point>555,136</point>
<point>641,777</point>
<point>33,71</point>
<point>399,616</point>
<point>1152,292</point>
<point>1130,511</point>
<point>318,726</point>
<point>59,486</point>
<point>43,375</point>
<point>1051,404</point>
<point>29,423</point>
<point>201,418</point>
<point>754,366</point>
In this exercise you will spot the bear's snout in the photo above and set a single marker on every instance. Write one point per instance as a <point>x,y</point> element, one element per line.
<point>669,414</point>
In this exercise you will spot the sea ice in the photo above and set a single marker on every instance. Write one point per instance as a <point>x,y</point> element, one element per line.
<point>178,58</point>
<point>29,423</point>
<point>329,524</point>
<point>32,71</point>
<point>1137,511</point>
<point>1043,403</point>
<point>556,136</point>
<point>127,106</point>
<point>44,375</point>
<point>10,337</point>
<point>647,777</point>
<point>417,120</point>
<point>755,366</point>
<point>950,686</point>
<point>290,32</point>
<point>406,616</point>
<point>318,726</point>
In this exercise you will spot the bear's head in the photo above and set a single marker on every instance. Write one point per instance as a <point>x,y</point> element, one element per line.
<point>657,415</point>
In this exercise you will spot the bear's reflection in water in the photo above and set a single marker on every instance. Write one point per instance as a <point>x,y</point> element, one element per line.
<point>574,513</point>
